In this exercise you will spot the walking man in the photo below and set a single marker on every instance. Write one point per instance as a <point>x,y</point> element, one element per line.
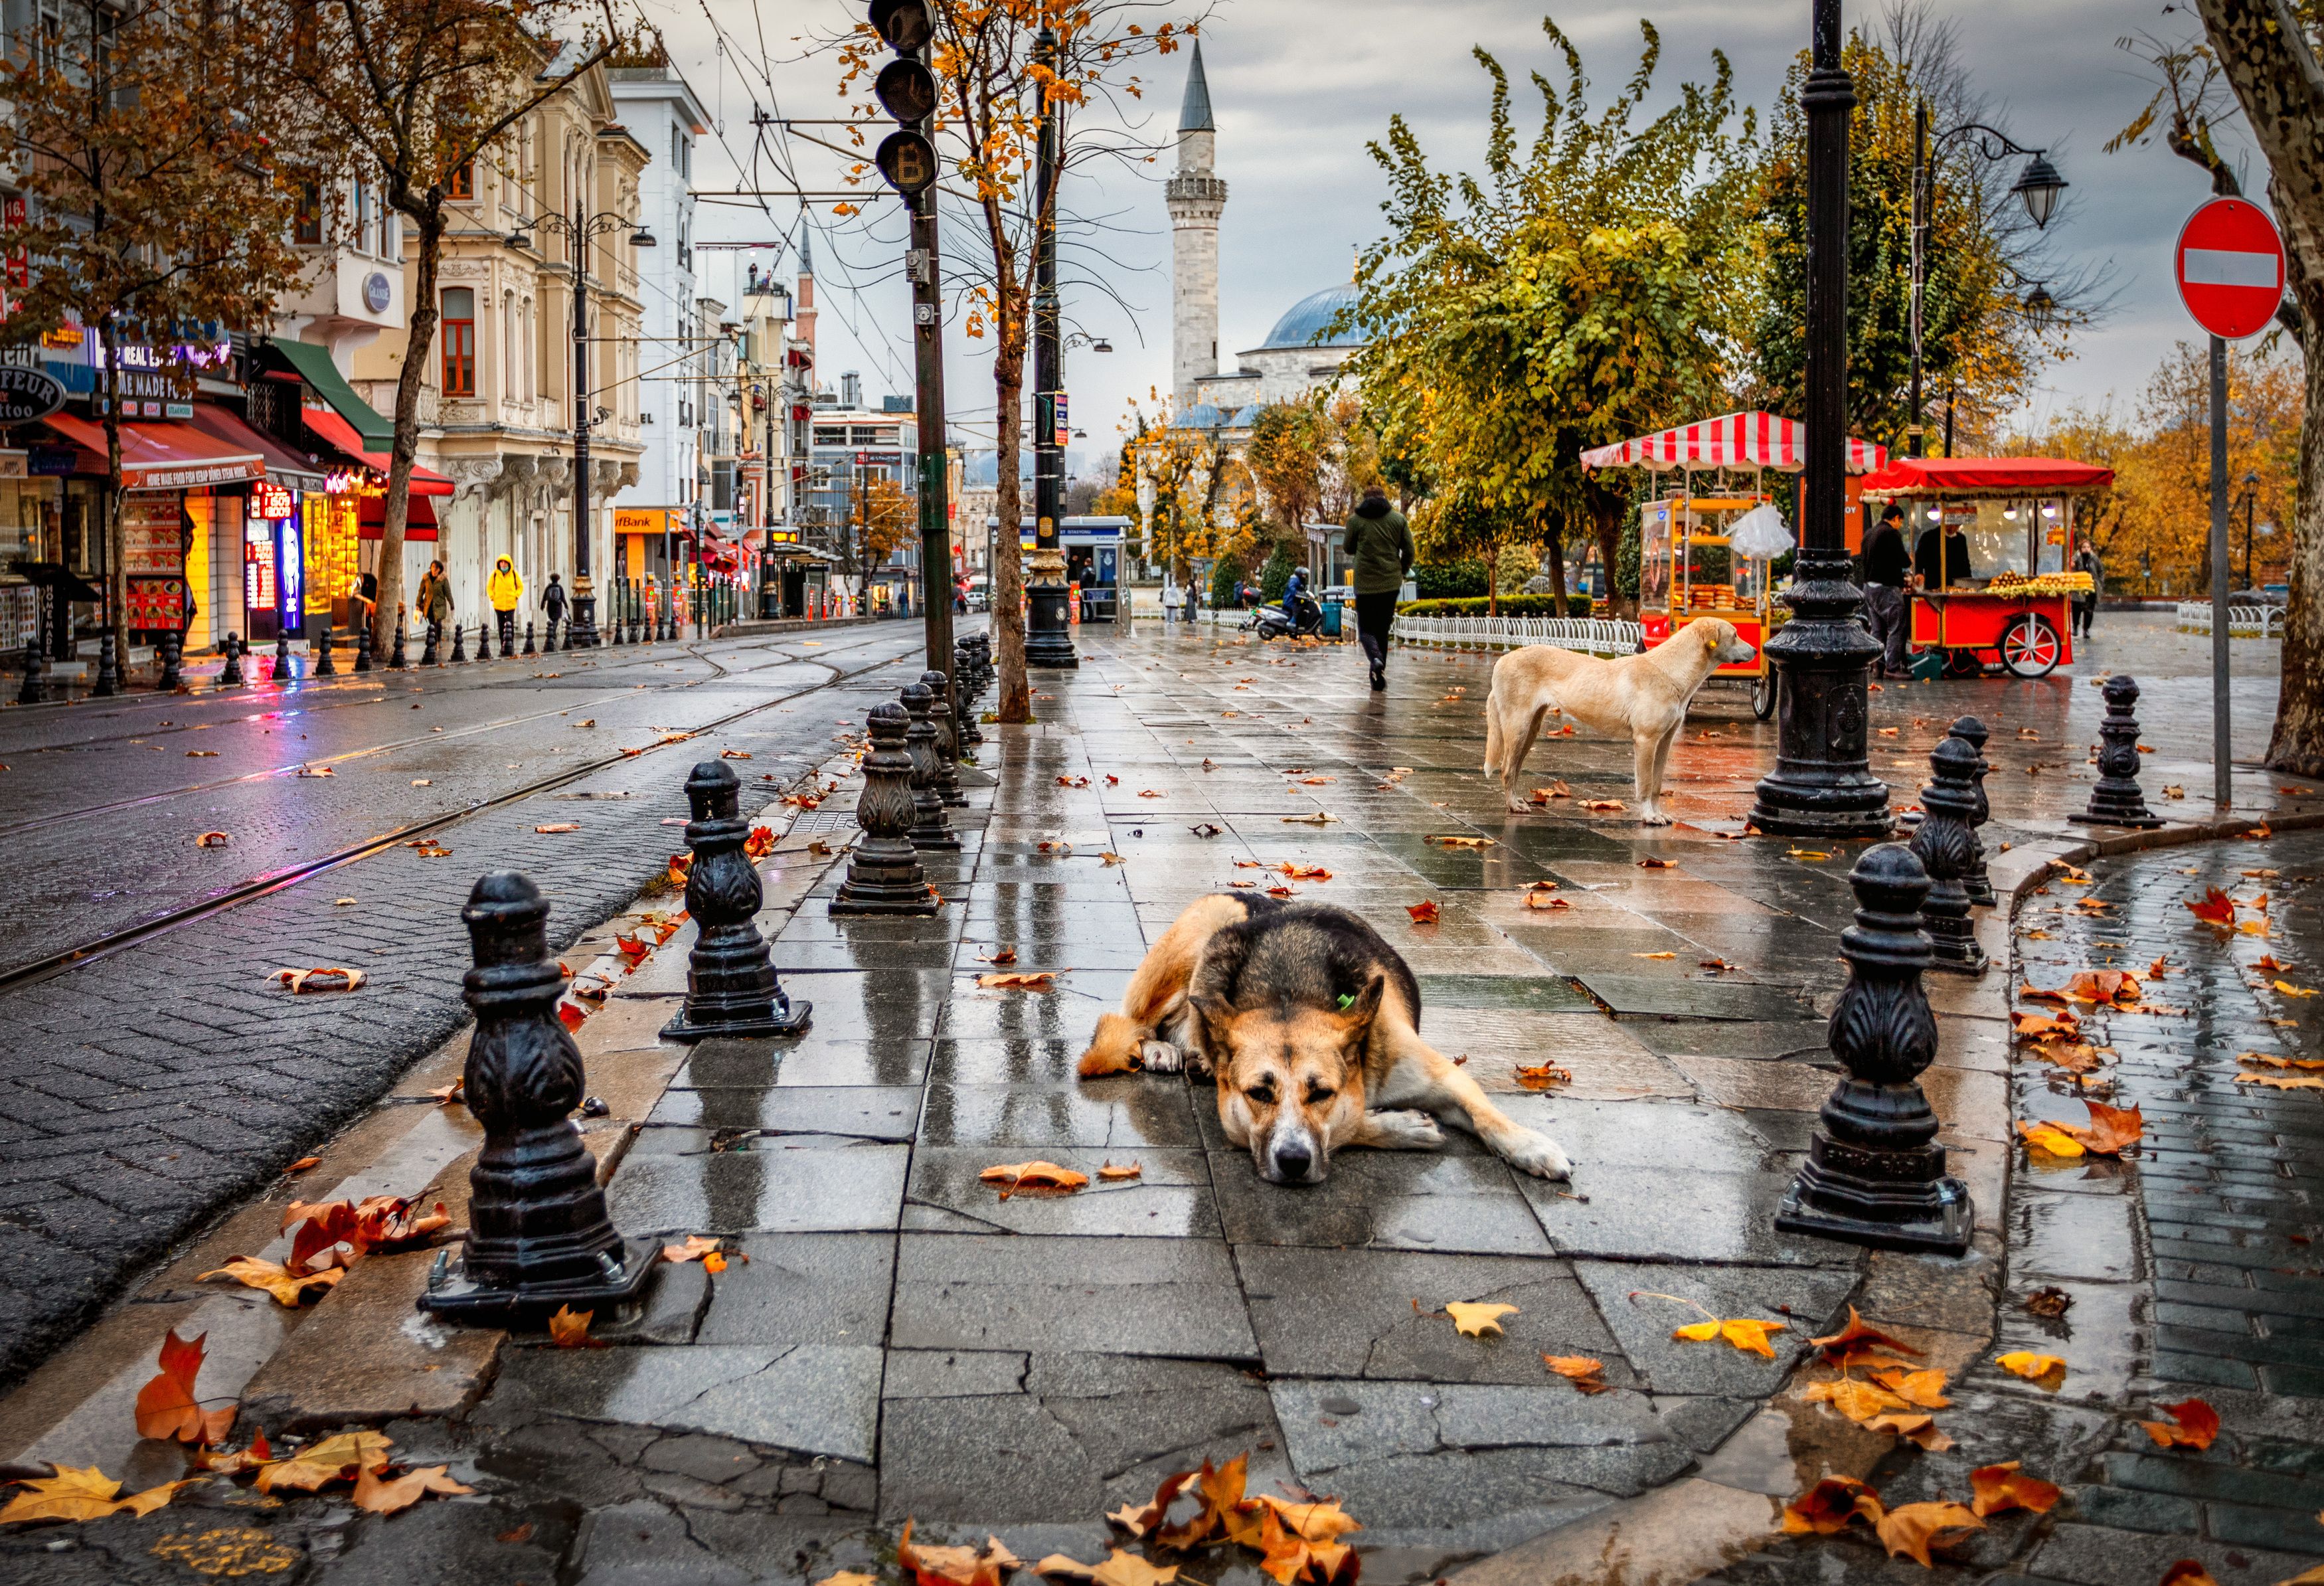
<point>1381,542</point>
<point>436,606</point>
<point>2086,606</point>
<point>1888,576</point>
<point>504,589</point>
<point>552,605</point>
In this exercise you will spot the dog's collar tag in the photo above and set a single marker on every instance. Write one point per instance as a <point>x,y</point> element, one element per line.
<point>1347,1001</point>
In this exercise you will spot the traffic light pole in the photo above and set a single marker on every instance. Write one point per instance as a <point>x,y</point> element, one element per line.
<point>1049,635</point>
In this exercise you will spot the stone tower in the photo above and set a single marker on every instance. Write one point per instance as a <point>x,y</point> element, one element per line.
<point>1195,197</point>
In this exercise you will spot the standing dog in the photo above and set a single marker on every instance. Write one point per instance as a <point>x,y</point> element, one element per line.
<point>1310,1023</point>
<point>1642,698</point>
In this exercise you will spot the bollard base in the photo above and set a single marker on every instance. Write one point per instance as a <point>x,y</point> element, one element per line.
<point>924,902</point>
<point>2138,822</point>
<point>1933,1216</point>
<point>453,1297</point>
<point>787,1019</point>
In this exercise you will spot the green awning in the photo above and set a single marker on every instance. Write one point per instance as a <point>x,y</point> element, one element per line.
<point>315,367</point>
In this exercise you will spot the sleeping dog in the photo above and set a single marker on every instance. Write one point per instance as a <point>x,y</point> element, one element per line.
<point>1310,1023</point>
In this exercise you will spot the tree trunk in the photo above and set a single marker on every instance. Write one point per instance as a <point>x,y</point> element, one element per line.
<point>406,448</point>
<point>1016,702</point>
<point>1557,569</point>
<point>117,532</point>
<point>1606,509</point>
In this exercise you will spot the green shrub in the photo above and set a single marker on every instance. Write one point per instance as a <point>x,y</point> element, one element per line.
<point>1510,605</point>
<point>1225,575</point>
<point>1276,575</point>
<point>1450,580</point>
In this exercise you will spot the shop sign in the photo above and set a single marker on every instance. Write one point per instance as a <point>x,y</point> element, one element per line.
<point>176,410</point>
<point>641,519</point>
<point>44,460</point>
<point>272,501</point>
<point>26,394</point>
<point>290,583</point>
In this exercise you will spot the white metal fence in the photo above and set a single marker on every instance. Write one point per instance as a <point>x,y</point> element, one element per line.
<point>1589,635</point>
<point>2244,621</point>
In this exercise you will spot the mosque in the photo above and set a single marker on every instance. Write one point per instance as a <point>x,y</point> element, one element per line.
<point>1295,357</point>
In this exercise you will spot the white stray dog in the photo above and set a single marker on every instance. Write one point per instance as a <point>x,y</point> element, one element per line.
<point>1643,698</point>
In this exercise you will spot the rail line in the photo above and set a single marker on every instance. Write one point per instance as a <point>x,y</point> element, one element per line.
<point>32,971</point>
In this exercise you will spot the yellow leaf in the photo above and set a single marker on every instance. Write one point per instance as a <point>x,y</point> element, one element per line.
<point>1922,1390</point>
<point>327,1460</point>
<point>386,1498</point>
<point>1914,1528</point>
<point>2044,1136</point>
<point>83,1492</point>
<point>1859,1401</point>
<point>2032,1367</point>
<point>288,1288</point>
<point>2289,990</point>
<point>1474,1318</point>
<point>1749,1335</point>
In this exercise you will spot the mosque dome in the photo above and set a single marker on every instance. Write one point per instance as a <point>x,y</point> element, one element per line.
<point>1301,324</point>
<point>1202,416</point>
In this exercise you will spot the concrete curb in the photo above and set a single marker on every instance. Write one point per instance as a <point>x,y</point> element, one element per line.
<point>1709,1519</point>
<point>754,627</point>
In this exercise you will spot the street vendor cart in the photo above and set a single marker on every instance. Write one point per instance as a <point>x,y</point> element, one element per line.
<point>2012,519</point>
<point>1705,545</point>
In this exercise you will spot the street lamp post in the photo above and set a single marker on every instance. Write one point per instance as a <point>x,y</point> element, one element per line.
<point>2037,187</point>
<point>581,229</point>
<point>1822,785</point>
<point>1048,638</point>
<point>2251,490</point>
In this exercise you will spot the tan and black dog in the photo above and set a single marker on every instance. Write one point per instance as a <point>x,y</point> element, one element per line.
<point>1310,1023</point>
<point>1641,698</point>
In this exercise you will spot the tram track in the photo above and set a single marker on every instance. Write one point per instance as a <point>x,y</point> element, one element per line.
<point>32,971</point>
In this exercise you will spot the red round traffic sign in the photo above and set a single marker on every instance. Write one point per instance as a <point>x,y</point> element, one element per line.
<point>2229,264</point>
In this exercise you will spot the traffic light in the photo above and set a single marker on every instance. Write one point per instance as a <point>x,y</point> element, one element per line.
<point>907,90</point>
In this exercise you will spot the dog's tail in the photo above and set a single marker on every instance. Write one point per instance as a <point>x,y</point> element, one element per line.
<point>1114,1048</point>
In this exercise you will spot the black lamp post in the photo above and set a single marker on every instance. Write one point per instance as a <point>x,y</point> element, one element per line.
<point>581,631</point>
<point>1822,785</point>
<point>1049,637</point>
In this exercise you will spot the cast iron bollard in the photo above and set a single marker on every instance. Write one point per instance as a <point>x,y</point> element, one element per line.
<point>36,689</point>
<point>363,644</point>
<point>231,673</point>
<point>731,986</point>
<point>460,645</point>
<point>283,663</point>
<point>395,660</point>
<point>1944,844</point>
<point>538,1237</point>
<point>931,827</point>
<point>964,667</point>
<point>428,657</point>
<point>884,875</point>
<point>1977,879</point>
<point>527,637</point>
<point>484,640</point>
<point>108,670</point>
<point>173,646</point>
<point>325,666</point>
<point>1875,1175</point>
<point>2116,801</point>
<point>947,750</point>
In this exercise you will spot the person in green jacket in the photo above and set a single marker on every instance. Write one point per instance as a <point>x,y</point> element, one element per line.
<point>1380,540</point>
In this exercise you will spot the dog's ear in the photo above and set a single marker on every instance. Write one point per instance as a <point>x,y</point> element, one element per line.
<point>1365,1007</point>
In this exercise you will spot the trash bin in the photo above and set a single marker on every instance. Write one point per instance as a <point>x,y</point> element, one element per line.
<point>1331,609</point>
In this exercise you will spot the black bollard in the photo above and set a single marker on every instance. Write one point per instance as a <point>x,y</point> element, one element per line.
<point>395,662</point>
<point>527,637</point>
<point>2116,801</point>
<point>362,645</point>
<point>1977,881</point>
<point>1875,1174</point>
<point>884,874</point>
<point>428,656</point>
<point>36,689</point>
<point>731,987</point>
<point>538,1237</point>
<point>173,646</point>
<point>963,664</point>
<point>947,748</point>
<point>931,826</point>
<point>484,640</point>
<point>1944,844</point>
<point>231,673</point>
<point>325,666</point>
<point>283,670</point>
<point>108,669</point>
<point>460,645</point>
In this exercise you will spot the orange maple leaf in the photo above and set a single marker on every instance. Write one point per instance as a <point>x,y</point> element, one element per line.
<point>2192,1425</point>
<point>167,1406</point>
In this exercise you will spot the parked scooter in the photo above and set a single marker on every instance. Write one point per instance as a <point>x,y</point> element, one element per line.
<point>1270,623</point>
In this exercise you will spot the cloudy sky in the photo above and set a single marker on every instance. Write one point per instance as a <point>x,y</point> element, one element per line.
<point>1300,86</point>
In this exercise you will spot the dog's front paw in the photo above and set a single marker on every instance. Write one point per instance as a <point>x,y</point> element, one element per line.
<point>1654,818</point>
<point>1161,1058</point>
<point>1528,1151</point>
<point>1403,1129</point>
<point>1519,807</point>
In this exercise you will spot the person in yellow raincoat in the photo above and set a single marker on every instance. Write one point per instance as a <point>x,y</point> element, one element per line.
<point>504,589</point>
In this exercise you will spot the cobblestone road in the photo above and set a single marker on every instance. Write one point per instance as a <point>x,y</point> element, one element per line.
<point>142,1091</point>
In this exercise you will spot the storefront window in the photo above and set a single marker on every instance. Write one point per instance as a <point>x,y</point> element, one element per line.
<point>459,342</point>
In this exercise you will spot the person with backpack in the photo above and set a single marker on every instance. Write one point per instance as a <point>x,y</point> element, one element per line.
<point>504,589</point>
<point>1381,542</point>
<point>552,605</point>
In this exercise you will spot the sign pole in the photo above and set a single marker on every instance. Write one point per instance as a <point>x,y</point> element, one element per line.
<point>2222,751</point>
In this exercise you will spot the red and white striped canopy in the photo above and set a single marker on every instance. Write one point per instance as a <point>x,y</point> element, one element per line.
<point>1734,440</point>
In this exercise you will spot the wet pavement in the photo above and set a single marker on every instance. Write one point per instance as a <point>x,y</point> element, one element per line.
<point>904,1344</point>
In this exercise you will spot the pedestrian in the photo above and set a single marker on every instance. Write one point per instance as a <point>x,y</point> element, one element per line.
<point>552,606</point>
<point>1887,581</point>
<point>504,589</point>
<point>2086,606</point>
<point>436,602</point>
<point>362,601</point>
<point>1381,542</point>
<point>1940,558</point>
<point>1193,602</point>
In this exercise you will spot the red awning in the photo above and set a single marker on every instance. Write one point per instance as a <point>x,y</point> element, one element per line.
<point>419,517</point>
<point>165,456</point>
<point>283,466</point>
<point>342,435</point>
<point>1985,476</point>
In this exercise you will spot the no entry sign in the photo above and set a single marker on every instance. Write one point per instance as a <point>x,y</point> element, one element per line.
<point>2230,268</point>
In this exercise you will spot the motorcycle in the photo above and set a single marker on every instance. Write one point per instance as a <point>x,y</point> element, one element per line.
<point>1270,623</point>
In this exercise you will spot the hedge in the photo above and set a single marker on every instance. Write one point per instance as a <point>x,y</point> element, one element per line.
<point>1511,606</point>
<point>1450,580</point>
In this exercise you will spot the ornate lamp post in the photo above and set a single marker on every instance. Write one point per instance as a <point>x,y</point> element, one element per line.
<point>1822,785</point>
<point>580,229</point>
<point>1049,637</point>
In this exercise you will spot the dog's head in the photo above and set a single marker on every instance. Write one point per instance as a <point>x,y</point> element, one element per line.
<point>1720,641</point>
<point>1291,1079</point>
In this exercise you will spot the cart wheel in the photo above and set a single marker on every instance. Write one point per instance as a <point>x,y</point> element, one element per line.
<point>1763,694</point>
<point>1963,663</point>
<point>2029,646</point>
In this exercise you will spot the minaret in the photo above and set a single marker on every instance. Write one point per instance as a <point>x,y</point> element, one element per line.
<point>805,311</point>
<point>1195,197</point>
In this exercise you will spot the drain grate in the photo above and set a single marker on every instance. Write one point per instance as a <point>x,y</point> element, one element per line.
<point>824,820</point>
